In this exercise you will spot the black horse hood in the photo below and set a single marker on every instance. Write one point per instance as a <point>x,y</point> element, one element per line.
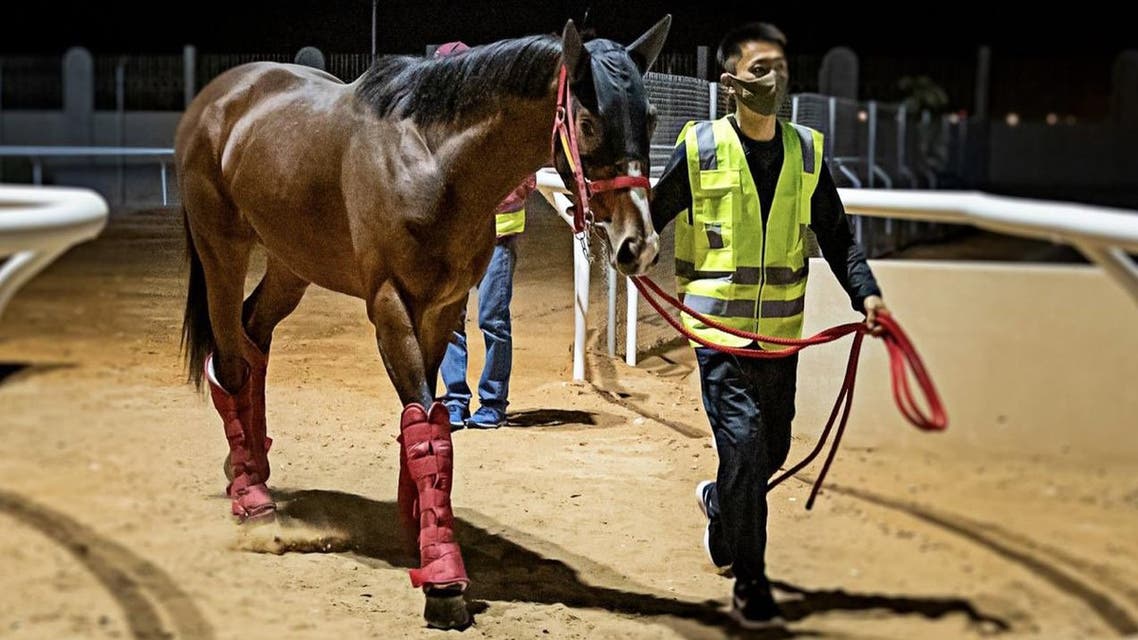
<point>617,95</point>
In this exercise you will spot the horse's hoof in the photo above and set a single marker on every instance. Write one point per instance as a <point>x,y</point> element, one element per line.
<point>253,504</point>
<point>264,514</point>
<point>227,467</point>
<point>446,609</point>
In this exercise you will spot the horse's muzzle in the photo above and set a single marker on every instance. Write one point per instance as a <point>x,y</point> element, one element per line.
<point>635,255</point>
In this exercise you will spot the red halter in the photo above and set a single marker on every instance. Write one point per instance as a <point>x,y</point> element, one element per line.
<point>564,129</point>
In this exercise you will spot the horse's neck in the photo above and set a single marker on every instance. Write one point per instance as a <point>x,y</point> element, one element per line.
<point>494,155</point>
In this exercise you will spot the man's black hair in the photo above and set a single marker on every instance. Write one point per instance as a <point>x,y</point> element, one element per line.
<point>731,47</point>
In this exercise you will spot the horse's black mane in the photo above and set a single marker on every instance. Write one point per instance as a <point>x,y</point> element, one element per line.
<point>434,90</point>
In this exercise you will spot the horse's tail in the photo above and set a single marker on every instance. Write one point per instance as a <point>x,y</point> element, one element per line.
<point>197,333</point>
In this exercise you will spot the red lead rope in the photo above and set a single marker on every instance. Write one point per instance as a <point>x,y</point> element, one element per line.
<point>901,353</point>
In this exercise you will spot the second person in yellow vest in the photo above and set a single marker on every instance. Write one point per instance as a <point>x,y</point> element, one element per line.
<point>495,291</point>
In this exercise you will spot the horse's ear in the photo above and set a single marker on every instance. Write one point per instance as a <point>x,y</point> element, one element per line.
<point>573,52</point>
<point>648,46</point>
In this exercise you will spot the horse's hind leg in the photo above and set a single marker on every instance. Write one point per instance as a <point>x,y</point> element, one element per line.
<point>221,243</point>
<point>272,301</point>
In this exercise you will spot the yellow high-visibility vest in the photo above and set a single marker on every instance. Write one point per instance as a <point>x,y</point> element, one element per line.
<point>510,222</point>
<point>728,266</point>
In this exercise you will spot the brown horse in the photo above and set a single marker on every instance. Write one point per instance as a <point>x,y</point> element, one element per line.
<point>384,189</point>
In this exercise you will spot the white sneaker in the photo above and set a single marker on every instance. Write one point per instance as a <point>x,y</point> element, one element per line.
<point>718,555</point>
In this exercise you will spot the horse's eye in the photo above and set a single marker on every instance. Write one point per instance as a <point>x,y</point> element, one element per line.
<point>588,129</point>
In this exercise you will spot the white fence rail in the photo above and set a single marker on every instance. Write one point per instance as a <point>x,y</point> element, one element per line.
<point>163,155</point>
<point>1104,235</point>
<point>38,224</point>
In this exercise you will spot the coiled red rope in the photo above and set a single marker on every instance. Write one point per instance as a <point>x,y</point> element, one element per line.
<point>903,358</point>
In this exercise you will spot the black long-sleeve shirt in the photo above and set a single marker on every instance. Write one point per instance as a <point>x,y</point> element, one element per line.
<point>828,218</point>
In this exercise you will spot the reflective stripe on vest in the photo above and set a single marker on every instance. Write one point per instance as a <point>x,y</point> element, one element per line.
<point>510,222</point>
<point>728,266</point>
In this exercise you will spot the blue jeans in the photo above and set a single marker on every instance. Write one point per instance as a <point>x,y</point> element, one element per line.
<point>494,294</point>
<point>750,404</point>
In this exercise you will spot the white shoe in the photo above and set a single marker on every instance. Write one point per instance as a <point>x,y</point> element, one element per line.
<point>701,494</point>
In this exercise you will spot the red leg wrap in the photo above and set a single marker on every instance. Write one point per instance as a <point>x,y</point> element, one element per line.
<point>408,497</point>
<point>428,461</point>
<point>243,416</point>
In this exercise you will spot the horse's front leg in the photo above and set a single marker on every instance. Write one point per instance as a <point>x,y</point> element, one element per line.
<point>426,459</point>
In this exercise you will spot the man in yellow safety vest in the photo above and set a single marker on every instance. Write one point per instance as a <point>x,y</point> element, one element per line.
<point>742,190</point>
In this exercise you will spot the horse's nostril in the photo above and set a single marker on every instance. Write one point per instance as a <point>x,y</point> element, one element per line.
<point>627,252</point>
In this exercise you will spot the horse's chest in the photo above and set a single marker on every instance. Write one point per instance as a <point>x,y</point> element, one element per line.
<point>458,267</point>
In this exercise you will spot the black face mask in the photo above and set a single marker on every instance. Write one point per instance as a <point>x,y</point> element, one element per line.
<point>763,95</point>
<point>615,93</point>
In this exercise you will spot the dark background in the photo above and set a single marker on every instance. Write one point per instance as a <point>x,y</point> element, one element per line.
<point>1043,61</point>
<point>405,26</point>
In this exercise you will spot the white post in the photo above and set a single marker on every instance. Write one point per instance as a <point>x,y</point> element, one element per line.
<point>580,307</point>
<point>612,312</point>
<point>632,294</point>
<point>1115,263</point>
<point>550,186</point>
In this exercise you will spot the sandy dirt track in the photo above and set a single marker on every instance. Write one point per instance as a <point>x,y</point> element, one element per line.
<point>578,520</point>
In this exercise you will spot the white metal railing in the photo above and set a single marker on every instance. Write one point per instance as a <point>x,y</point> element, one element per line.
<point>38,153</point>
<point>550,185</point>
<point>38,224</point>
<point>1104,235</point>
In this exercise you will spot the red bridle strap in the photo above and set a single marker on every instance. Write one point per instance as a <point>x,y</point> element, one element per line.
<point>565,131</point>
